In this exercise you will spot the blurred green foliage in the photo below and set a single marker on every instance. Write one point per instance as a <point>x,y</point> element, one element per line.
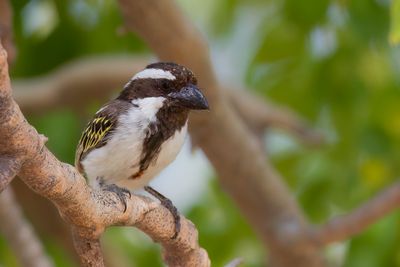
<point>395,28</point>
<point>328,60</point>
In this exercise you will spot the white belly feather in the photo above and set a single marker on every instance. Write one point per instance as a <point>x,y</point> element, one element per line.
<point>119,159</point>
<point>169,150</point>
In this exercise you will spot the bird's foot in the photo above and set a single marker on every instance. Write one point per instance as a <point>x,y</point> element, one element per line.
<point>167,203</point>
<point>122,193</point>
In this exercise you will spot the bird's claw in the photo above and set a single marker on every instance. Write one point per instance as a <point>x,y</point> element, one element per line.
<point>122,193</point>
<point>174,212</point>
<point>167,203</point>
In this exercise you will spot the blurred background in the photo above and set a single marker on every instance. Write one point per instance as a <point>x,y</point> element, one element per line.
<point>329,61</point>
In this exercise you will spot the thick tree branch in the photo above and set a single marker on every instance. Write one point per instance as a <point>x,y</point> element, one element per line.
<point>358,220</point>
<point>241,165</point>
<point>89,250</point>
<point>11,154</point>
<point>90,212</point>
<point>19,233</point>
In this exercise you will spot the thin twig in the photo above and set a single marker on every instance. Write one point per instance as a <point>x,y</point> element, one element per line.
<point>356,221</point>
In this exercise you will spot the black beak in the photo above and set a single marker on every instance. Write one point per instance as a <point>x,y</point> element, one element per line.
<point>190,97</point>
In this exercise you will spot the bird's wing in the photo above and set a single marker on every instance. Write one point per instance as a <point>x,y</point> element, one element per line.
<point>94,136</point>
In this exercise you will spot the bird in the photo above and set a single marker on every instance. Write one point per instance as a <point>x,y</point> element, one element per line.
<point>133,137</point>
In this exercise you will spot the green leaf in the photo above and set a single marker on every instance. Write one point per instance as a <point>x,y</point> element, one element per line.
<point>360,12</point>
<point>394,35</point>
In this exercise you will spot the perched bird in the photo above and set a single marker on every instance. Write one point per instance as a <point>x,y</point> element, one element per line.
<point>135,136</point>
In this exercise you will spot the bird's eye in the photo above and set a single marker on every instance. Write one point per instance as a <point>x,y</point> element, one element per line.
<point>165,84</point>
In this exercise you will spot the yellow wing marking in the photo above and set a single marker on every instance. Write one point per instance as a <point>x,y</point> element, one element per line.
<point>94,133</point>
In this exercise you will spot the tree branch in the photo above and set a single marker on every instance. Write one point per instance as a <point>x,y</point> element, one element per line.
<point>89,250</point>
<point>11,156</point>
<point>19,233</point>
<point>358,220</point>
<point>89,211</point>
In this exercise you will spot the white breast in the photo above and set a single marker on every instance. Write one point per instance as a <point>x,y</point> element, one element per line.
<point>119,159</point>
<point>169,150</point>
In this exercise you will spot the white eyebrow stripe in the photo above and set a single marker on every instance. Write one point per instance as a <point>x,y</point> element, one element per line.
<point>154,74</point>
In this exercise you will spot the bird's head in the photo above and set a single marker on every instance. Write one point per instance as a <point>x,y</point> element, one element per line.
<point>175,83</point>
